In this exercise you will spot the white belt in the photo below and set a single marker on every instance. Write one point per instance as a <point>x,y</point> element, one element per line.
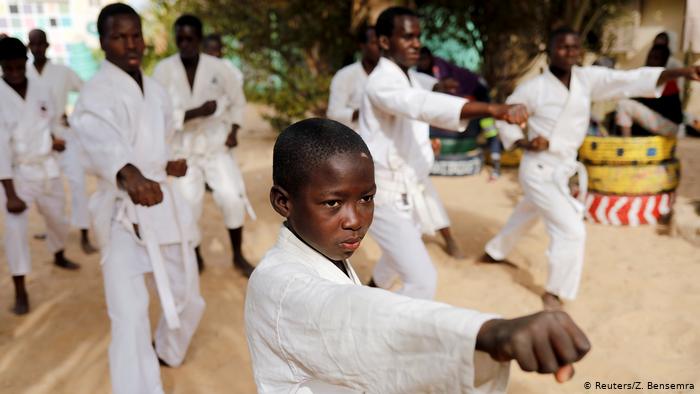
<point>149,240</point>
<point>413,194</point>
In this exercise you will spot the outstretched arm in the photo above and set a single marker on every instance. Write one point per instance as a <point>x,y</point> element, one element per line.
<point>692,73</point>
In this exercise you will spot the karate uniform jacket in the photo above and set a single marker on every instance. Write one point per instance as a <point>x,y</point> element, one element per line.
<point>25,133</point>
<point>562,115</point>
<point>117,123</point>
<point>313,329</point>
<point>347,87</point>
<point>214,80</point>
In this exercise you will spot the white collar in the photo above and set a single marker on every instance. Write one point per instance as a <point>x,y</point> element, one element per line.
<point>311,258</point>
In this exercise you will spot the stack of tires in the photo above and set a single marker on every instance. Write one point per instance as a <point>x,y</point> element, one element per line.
<point>459,156</point>
<point>630,180</point>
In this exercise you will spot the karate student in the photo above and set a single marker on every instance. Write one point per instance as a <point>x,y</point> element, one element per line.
<point>348,84</point>
<point>28,171</point>
<point>123,119</point>
<point>313,328</point>
<point>62,80</point>
<point>559,103</point>
<point>208,107</point>
<point>395,115</point>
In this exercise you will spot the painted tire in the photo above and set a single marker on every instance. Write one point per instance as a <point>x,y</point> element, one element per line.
<point>458,165</point>
<point>457,146</point>
<point>631,179</point>
<point>627,210</point>
<point>635,150</point>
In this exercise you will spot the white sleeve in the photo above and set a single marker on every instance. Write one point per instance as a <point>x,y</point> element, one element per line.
<point>608,84</point>
<point>236,94</point>
<point>373,340</point>
<point>5,151</point>
<point>437,109</point>
<point>510,133</point>
<point>339,98</point>
<point>160,74</point>
<point>74,82</point>
<point>97,127</point>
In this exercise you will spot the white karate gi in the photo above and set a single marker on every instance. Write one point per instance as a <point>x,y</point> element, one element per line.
<point>347,88</point>
<point>62,80</point>
<point>202,141</point>
<point>394,122</point>
<point>561,116</point>
<point>118,124</point>
<point>26,158</point>
<point>313,329</point>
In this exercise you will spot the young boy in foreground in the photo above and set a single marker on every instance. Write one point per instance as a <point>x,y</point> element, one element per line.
<point>313,328</point>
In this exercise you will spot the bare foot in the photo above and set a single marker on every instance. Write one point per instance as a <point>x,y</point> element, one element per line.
<point>21,304</point>
<point>66,264</point>
<point>485,258</point>
<point>453,249</point>
<point>241,264</point>
<point>551,302</point>
<point>87,247</point>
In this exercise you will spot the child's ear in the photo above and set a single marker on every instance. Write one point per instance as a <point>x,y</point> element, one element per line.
<point>279,198</point>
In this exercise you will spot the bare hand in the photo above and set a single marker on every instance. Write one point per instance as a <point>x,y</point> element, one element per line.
<point>141,190</point>
<point>208,108</point>
<point>546,342</point>
<point>538,144</point>
<point>176,168</point>
<point>58,144</point>
<point>511,113</point>
<point>693,73</point>
<point>447,85</point>
<point>15,205</point>
<point>232,139</point>
<point>436,144</point>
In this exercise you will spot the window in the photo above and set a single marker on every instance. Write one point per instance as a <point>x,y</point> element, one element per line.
<point>66,21</point>
<point>53,22</point>
<point>14,9</point>
<point>16,23</point>
<point>39,8</point>
<point>64,8</point>
<point>27,8</point>
<point>3,23</point>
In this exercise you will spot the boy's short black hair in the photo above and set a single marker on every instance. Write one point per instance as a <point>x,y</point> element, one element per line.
<point>306,145</point>
<point>385,21</point>
<point>560,31</point>
<point>662,51</point>
<point>113,10</point>
<point>11,49</point>
<point>191,21</point>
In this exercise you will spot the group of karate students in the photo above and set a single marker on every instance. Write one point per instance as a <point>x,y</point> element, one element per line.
<point>153,144</point>
<point>132,132</point>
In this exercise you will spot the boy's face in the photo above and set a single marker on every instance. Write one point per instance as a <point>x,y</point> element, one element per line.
<point>188,41</point>
<point>123,42</point>
<point>565,51</point>
<point>403,46</point>
<point>14,71</point>
<point>334,209</point>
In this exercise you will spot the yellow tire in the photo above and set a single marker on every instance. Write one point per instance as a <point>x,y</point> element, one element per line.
<point>509,158</point>
<point>633,150</point>
<point>636,179</point>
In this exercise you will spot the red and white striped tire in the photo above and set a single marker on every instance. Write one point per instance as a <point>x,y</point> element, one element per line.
<point>619,210</point>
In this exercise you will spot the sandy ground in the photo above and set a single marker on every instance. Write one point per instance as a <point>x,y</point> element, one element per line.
<point>638,301</point>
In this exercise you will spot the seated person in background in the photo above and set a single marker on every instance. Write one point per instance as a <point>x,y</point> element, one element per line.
<point>660,115</point>
<point>461,82</point>
<point>313,328</point>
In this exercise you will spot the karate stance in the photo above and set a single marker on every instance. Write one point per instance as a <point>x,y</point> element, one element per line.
<point>313,328</point>
<point>29,172</point>
<point>124,120</point>
<point>62,80</point>
<point>559,103</point>
<point>208,107</point>
<point>395,115</point>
